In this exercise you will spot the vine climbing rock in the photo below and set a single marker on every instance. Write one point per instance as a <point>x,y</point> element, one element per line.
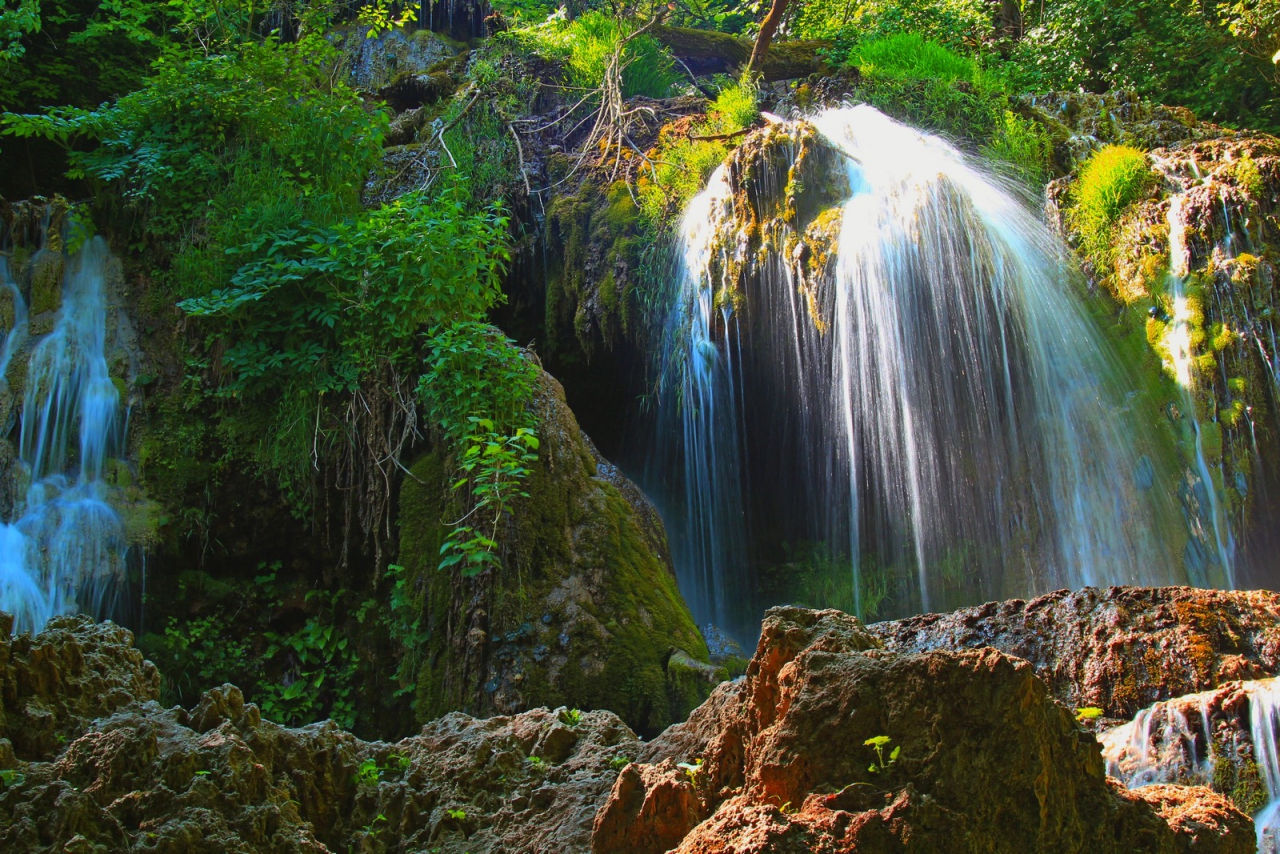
<point>977,757</point>
<point>585,610</point>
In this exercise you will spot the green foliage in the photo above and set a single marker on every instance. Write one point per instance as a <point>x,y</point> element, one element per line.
<point>570,717</point>
<point>617,763</point>
<point>264,117</point>
<point>327,306</point>
<point>881,765</point>
<point>1088,713</point>
<point>18,19</point>
<point>477,389</point>
<point>537,763</point>
<point>368,773</point>
<point>586,46</point>
<point>1112,179</point>
<point>911,56</point>
<point>1022,148</point>
<point>683,162</point>
<point>931,87</point>
<point>10,779</point>
<point>1214,57</point>
<point>957,24</point>
<point>456,814</point>
<point>692,771</point>
<point>379,16</point>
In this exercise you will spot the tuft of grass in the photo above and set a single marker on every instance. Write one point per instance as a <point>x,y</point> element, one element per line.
<point>1022,148</point>
<point>910,56</point>
<point>1113,178</point>
<point>590,42</point>
<point>683,163</point>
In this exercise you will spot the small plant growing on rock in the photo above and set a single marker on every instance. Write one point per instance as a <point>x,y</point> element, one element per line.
<point>617,763</point>
<point>570,717</point>
<point>692,770</point>
<point>368,772</point>
<point>372,828</point>
<point>456,815</point>
<point>878,744</point>
<point>1088,713</point>
<point>10,778</point>
<point>538,763</point>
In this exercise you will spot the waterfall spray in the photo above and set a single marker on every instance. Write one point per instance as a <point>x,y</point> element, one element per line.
<point>946,409</point>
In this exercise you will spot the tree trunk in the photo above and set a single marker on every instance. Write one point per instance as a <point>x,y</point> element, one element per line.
<point>709,52</point>
<point>765,37</point>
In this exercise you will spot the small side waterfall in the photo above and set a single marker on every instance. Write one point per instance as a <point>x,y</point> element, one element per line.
<point>64,548</point>
<point>1178,341</point>
<point>938,409</point>
<point>1208,740</point>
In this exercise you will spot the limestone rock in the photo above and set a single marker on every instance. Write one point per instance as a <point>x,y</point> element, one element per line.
<point>54,683</point>
<point>1118,649</point>
<point>987,762</point>
<point>585,612</point>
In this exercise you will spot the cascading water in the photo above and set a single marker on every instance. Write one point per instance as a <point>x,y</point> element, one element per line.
<point>64,549</point>
<point>1179,345</point>
<point>940,407</point>
<point>1182,740</point>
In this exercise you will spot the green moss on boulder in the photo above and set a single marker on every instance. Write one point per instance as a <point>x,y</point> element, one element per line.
<point>585,612</point>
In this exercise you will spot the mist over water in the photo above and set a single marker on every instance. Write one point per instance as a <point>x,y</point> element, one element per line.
<point>942,417</point>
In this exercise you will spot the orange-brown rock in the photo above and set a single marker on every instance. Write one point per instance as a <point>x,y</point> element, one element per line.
<point>1118,649</point>
<point>977,757</point>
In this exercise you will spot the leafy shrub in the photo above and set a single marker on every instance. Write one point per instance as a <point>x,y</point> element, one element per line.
<point>586,45</point>
<point>1112,179</point>
<point>963,25</point>
<point>1215,58</point>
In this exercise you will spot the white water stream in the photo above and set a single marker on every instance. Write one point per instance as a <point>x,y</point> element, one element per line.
<point>1173,742</point>
<point>955,411</point>
<point>63,550</point>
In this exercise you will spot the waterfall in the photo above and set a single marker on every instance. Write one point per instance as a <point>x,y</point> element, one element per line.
<point>940,407</point>
<point>1166,744</point>
<point>64,549</point>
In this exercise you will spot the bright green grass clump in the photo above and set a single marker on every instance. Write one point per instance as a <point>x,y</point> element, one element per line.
<point>908,55</point>
<point>591,41</point>
<point>1113,178</point>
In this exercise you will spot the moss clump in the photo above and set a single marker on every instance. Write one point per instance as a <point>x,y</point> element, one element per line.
<point>1239,778</point>
<point>1112,179</point>
<point>46,282</point>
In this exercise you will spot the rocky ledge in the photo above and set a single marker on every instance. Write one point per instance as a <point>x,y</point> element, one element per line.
<point>943,733</point>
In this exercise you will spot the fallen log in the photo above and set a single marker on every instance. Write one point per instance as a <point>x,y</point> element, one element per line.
<point>709,52</point>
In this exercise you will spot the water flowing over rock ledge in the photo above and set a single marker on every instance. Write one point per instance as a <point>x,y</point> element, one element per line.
<point>774,762</point>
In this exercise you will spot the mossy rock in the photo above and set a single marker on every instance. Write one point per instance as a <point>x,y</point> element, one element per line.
<point>585,610</point>
<point>46,282</point>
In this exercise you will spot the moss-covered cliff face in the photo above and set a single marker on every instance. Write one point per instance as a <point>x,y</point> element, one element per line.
<point>585,612</point>
<point>1186,270</point>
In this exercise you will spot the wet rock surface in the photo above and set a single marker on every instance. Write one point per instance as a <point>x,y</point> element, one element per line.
<point>975,756</point>
<point>1118,649</point>
<point>52,685</point>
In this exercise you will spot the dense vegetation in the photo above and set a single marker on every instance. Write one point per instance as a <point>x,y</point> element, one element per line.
<point>329,325</point>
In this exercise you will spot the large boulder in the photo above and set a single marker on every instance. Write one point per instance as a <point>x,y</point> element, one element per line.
<point>586,611</point>
<point>833,744</point>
